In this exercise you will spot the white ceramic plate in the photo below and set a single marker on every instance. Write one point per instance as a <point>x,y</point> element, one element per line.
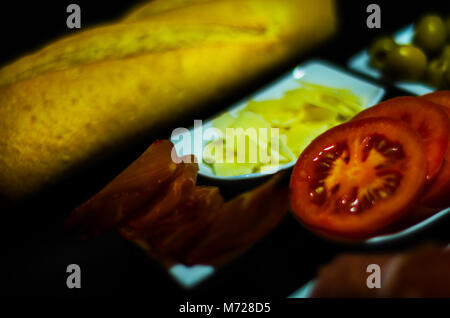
<point>315,71</point>
<point>304,291</point>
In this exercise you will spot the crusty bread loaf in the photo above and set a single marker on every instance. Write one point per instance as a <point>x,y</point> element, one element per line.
<point>159,6</point>
<point>92,92</point>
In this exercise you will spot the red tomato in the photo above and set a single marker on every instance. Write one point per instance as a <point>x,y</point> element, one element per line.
<point>437,193</point>
<point>428,119</point>
<point>441,97</point>
<point>359,177</point>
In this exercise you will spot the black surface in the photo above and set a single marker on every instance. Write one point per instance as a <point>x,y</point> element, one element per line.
<point>37,250</point>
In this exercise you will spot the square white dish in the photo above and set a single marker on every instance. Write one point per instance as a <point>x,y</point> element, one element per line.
<point>314,71</point>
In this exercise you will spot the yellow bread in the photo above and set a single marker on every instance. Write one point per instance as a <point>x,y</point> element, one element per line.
<point>91,93</point>
<point>158,6</point>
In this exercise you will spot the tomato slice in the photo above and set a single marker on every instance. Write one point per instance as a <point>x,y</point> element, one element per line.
<point>428,119</point>
<point>437,193</point>
<point>359,177</point>
<point>440,97</point>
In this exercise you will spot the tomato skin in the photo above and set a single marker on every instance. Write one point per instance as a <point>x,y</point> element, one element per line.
<point>427,118</point>
<point>440,97</point>
<point>437,194</point>
<point>325,221</point>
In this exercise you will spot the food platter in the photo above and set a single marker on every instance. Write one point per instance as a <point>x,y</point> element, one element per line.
<point>358,163</point>
<point>315,71</point>
<point>318,72</point>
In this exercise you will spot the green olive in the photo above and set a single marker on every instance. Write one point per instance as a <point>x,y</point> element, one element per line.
<point>379,50</point>
<point>436,72</point>
<point>445,55</point>
<point>430,33</point>
<point>406,62</point>
<point>446,84</point>
<point>447,22</point>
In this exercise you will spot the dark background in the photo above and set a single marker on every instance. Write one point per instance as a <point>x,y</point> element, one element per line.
<point>37,250</point>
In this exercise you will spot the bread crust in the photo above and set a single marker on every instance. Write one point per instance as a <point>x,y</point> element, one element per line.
<point>85,96</point>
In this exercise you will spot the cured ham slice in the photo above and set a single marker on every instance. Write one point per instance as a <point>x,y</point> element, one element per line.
<point>130,191</point>
<point>171,237</point>
<point>156,204</point>
<point>241,222</point>
<point>420,272</point>
<point>206,230</point>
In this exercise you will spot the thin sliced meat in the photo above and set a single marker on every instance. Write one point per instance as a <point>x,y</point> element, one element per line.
<point>171,237</point>
<point>206,230</point>
<point>156,204</point>
<point>241,222</point>
<point>131,190</point>
<point>420,272</point>
<point>180,188</point>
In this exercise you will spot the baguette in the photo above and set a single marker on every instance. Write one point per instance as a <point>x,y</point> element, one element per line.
<point>87,95</point>
<point>159,6</point>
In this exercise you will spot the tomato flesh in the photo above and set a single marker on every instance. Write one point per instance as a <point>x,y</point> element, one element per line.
<point>358,177</point>
<point>428,119</point>
<point>359,183</point>
<point>438,193</point>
